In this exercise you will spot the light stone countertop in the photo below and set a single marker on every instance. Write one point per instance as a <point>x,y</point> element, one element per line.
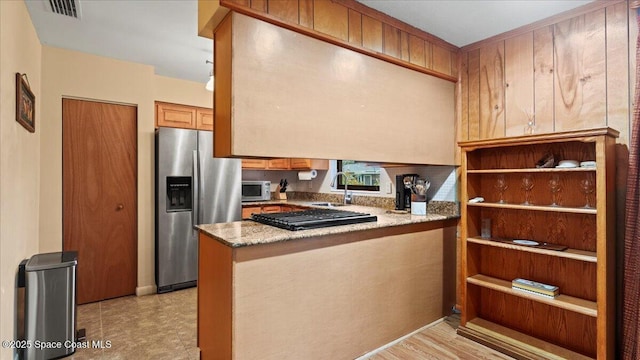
<point>247,232</point>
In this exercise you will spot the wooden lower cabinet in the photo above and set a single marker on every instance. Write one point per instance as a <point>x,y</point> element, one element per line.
<point>571,208</point>
<point>286,208</point>
<point>271,209</point>
<point>247,210</point>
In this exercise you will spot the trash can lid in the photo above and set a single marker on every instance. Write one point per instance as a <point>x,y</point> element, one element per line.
<point>52,260</point>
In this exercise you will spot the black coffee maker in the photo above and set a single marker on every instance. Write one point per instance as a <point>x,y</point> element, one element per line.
<point>403,193</point>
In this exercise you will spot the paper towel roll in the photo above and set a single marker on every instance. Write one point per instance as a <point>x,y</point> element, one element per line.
<point>307,175</point>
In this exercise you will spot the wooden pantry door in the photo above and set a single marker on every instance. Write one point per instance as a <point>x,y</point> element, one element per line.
<point>99,162</point>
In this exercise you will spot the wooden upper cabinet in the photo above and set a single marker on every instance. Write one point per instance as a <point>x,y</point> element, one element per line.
<point>174,115</point>
<point>307,164</point>
<point>285,164</point>
<point>183,116</point>
<point>279,164</point>
<point>254,164</point>
<point>204,119</point>
<point>265,164</point>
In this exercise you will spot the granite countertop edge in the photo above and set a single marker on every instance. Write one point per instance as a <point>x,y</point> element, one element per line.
<point>247,233</point>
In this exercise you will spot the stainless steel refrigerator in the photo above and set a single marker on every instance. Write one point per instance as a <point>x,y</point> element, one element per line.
<point>192,188</point>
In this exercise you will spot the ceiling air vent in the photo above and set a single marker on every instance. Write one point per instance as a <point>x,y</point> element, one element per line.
<point>65,7</point>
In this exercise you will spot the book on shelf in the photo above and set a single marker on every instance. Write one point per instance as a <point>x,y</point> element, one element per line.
<point>534,287</point>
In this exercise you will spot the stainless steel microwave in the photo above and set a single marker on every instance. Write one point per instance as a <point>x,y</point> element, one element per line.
<point>256,190</point>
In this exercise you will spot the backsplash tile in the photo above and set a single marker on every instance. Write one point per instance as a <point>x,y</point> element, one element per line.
<point>448,208</point>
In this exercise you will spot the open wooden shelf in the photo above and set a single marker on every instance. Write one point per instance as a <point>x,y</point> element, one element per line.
<point>530,170</point>
<point>560,209</point>
<point>514,343</point>
<point>575,254</point>
<point>571,303</point>
<point>581,320</point>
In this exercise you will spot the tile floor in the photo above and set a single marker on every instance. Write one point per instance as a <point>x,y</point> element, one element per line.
<point>165,327</point>
<point>160,326</point>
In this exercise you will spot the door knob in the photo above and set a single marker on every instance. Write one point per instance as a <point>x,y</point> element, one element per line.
<point>120,207</point>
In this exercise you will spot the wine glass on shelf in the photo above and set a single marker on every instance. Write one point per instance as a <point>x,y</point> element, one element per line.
<point>530,128</point>
<point>554,186</point>
<point>527,186</point>
<point>501,186</point>
<point>587,187</point>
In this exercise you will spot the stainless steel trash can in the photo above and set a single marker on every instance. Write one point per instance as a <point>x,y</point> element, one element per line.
<point>50,296</point>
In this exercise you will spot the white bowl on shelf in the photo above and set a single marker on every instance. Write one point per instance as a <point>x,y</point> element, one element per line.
<point>568,164</point>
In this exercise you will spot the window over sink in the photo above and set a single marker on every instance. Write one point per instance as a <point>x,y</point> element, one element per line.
<point>362,175</point>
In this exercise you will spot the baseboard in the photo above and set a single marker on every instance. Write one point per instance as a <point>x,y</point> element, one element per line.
<point>146,290</point>
<point>386,346</point>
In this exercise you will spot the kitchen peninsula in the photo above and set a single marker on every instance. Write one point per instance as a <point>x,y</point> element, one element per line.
<point>335,292</point>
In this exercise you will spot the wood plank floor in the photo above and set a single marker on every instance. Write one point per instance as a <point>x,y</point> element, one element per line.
<point>439,342</point>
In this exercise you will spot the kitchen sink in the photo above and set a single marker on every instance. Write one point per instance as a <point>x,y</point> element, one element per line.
<point>327,204</point>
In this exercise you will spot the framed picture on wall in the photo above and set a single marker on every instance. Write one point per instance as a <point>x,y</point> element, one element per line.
<point>25,104</point>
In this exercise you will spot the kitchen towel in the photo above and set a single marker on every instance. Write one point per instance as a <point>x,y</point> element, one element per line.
<point>307,175</point>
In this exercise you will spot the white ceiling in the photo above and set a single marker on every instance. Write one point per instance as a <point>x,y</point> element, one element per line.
<point>462,22</point>
<point>163,33</point>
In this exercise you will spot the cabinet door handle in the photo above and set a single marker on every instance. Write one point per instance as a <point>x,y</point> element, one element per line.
<point>120,207</point>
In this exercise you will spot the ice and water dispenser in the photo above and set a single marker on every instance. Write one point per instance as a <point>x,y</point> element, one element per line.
<point>179,193</point>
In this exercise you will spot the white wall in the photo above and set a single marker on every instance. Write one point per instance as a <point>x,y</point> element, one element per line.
<point>73,74</point>
<point>20,51</point>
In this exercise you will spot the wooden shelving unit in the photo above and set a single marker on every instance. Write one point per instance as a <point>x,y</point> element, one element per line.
<point>531,170</point>
<point>562,209</point>
<point>588,256</point>
<point>570,207</point>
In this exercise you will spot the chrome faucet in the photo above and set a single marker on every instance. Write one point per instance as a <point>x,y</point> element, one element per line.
<point>347,197</point>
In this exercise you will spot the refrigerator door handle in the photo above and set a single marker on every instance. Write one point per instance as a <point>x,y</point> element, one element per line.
<point>200,200</point>
<point>195,189</point>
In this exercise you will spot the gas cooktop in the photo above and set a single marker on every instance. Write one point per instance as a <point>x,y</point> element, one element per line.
<point>311,219</point>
